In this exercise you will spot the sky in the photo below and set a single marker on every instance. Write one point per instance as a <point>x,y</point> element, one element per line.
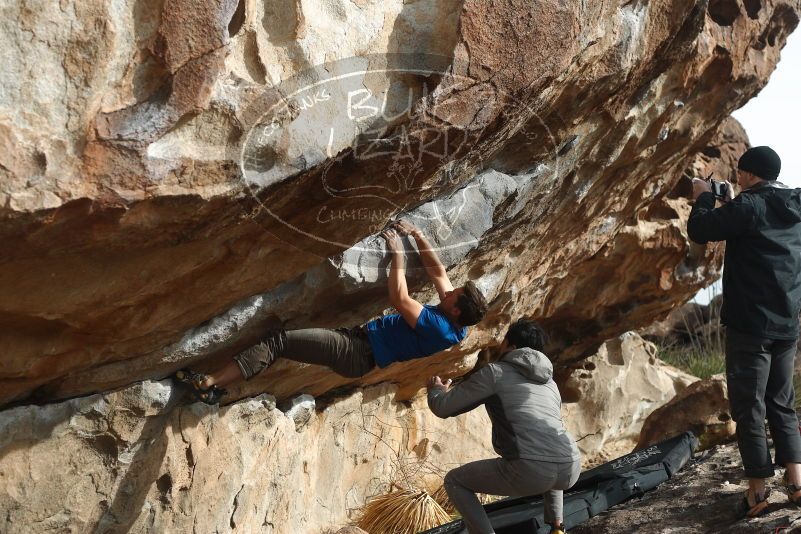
<point>773,118</point>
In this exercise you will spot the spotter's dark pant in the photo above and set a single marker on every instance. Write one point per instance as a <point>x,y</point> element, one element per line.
<point>759,374</point>
<point>512,478</point>
<point>346,351</point>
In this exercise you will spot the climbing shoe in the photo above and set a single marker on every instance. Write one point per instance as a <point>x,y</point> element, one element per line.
<point>793,491</point>
<point>754,505</point>
<point>557,530</point>
<point>194,381</point>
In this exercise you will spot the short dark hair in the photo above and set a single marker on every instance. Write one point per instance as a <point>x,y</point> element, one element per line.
<point>472,305</point>
<point>526,333</point>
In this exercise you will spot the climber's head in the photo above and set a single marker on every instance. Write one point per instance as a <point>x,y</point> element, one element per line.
<point>464,305</point>
<point>524,333</point>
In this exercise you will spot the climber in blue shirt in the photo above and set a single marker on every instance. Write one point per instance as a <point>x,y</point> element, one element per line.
<point>416,331</point>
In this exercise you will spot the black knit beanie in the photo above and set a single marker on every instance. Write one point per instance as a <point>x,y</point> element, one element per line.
<point>761,161</point>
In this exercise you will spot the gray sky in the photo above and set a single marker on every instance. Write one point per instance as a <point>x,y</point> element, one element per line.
<point>773,117</point>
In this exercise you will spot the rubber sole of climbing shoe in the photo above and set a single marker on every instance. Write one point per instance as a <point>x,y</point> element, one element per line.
<point>192,381</point>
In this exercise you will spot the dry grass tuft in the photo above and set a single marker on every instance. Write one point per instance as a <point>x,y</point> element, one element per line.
<point>441,496</point>
<point>402,512</point>
<point>486,499</point>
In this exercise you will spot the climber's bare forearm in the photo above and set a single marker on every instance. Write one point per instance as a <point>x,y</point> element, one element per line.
<point>398,289</point>
<point>399,294</point>
<point>428,257</point>
<point>432,264</point>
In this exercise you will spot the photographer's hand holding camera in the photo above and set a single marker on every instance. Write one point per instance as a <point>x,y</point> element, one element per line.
<point>721,190</point>
<point>761,304</point>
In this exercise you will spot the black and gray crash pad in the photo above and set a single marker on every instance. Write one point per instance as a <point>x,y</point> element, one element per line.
<point>596,490</point>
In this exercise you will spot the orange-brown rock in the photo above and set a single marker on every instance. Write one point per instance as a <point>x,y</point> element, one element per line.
<point>703,407</point>
<point>176,177</point>
<point>146,200</point>
<point>350,530</point>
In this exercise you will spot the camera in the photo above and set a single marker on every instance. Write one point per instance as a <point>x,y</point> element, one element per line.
<point>719,189</point>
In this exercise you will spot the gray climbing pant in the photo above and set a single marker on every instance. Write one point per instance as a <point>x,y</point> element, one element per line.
<point>510,478</point>
<point>759,375</point>
<point>346,351</point>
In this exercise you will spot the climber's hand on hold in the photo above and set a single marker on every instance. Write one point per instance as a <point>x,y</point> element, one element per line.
<point>436,382</point>
<point>428,257</point>
<point>405,228</point>
<point>393,240</point>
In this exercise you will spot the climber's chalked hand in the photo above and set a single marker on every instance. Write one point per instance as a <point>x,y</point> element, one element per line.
<point>404,228</point>
<point>393,240</point>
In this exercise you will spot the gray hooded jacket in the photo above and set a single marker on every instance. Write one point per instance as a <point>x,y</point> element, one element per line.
<point>523,403</point>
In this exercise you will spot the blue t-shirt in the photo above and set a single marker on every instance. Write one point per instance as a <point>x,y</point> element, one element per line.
<point>393,340</point>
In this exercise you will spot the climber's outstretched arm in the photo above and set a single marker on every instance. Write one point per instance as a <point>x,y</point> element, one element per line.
<point>398,292</point>
<point>428,256</point>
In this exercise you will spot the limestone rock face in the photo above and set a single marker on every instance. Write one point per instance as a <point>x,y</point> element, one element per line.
<point>141,460</point>
<point>607,400</point>
<point>301,410</point>
<point>177,178</point>
<point>703,407</point>
<point>137,461</point>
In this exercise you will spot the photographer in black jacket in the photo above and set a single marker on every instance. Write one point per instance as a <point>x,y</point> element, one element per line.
<point>761,303</point>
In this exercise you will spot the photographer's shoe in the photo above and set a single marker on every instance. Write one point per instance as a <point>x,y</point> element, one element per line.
<point>754,505</point>
<point>793,491</point>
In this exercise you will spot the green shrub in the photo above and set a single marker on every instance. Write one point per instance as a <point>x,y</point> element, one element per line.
<point>700,363</point>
